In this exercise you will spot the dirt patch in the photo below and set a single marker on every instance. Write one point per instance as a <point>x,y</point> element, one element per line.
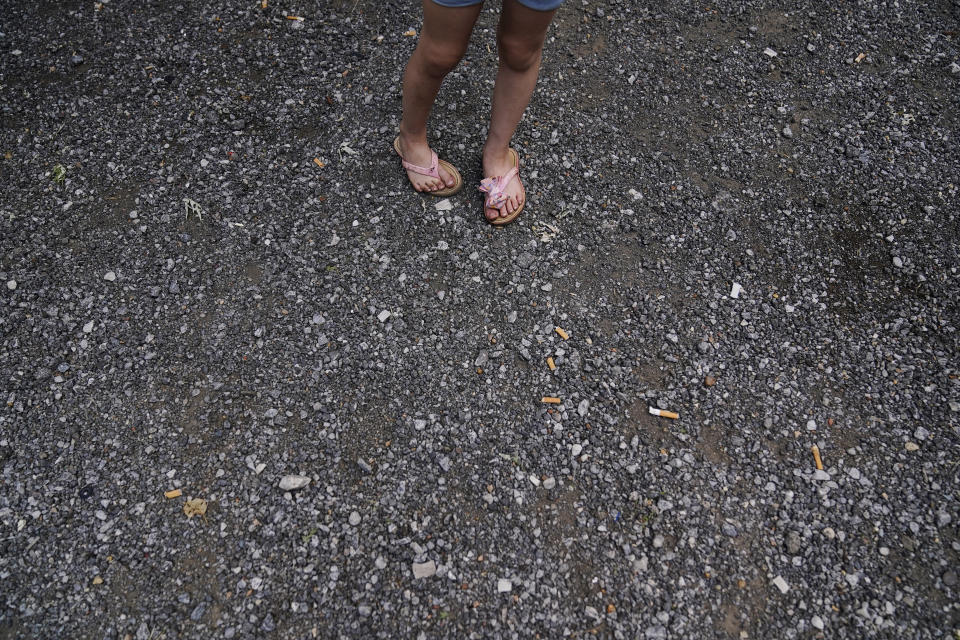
<point>365,436</point>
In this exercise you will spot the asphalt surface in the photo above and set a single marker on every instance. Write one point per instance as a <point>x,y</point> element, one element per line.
<point>215,280</point>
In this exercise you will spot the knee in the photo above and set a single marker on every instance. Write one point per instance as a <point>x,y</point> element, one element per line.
<point>519,54</point>
<point>439,59</point>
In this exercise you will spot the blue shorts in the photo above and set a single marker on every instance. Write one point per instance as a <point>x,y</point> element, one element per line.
<point>536,5</point>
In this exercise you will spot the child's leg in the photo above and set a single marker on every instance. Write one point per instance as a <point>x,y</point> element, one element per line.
<point>520,42</point>
<point>443,41</point>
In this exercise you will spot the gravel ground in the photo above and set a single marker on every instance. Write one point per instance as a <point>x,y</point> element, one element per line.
<point>255,386</point>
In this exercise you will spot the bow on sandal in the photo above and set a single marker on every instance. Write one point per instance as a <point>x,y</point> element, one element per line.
<point>432,171</point>
<point>496,197</point>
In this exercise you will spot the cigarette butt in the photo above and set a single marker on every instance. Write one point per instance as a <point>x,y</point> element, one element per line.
<point>551,364</point>
<point>176,493</point>
<point>563,334</point>
<point>294,18</point>
<point>263,4</point>
<point>317,162</point>
<point>861,57</point>
<point>664,413</point>
<point>550,400</point>
<point>411,33</point>
<point>816,457</point>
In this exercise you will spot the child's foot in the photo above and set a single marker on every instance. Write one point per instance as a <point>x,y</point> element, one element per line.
<point>419,153</point>
<point>498,163</point>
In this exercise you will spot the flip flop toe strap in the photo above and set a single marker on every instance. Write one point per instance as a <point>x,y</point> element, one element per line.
<point>424,171</point>
<point>494,188</point>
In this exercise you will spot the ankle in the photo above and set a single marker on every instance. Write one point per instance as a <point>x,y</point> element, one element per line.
<point>495,151</point>
<point>412,137</point>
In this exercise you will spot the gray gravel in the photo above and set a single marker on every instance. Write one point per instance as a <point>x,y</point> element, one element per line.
<point>745,214</point>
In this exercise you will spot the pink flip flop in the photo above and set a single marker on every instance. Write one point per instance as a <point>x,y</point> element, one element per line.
<point>432,171</point>
<point>494,188</point>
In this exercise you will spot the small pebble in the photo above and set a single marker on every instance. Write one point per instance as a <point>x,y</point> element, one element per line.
<point>424,569</point>
<point>293,482</point>
<point>781,584</point>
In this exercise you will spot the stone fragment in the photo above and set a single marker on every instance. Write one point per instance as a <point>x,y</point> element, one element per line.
<point>293,482</point>
<point>781,584</point>
<point>424,569</point>
<point>793,543</point>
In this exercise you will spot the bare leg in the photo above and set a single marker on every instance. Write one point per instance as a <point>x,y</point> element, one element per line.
<point>443,41</point>
<point>520,42</point>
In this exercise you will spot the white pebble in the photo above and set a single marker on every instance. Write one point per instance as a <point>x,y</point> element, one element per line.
<point>424,569</point>
<point>383,315</point>
<point>11,284</point>
<point>87,328</point>
<point>109,276</point>
<point>781,584</point>
<point>293,482</point>
<point>504,585</point>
